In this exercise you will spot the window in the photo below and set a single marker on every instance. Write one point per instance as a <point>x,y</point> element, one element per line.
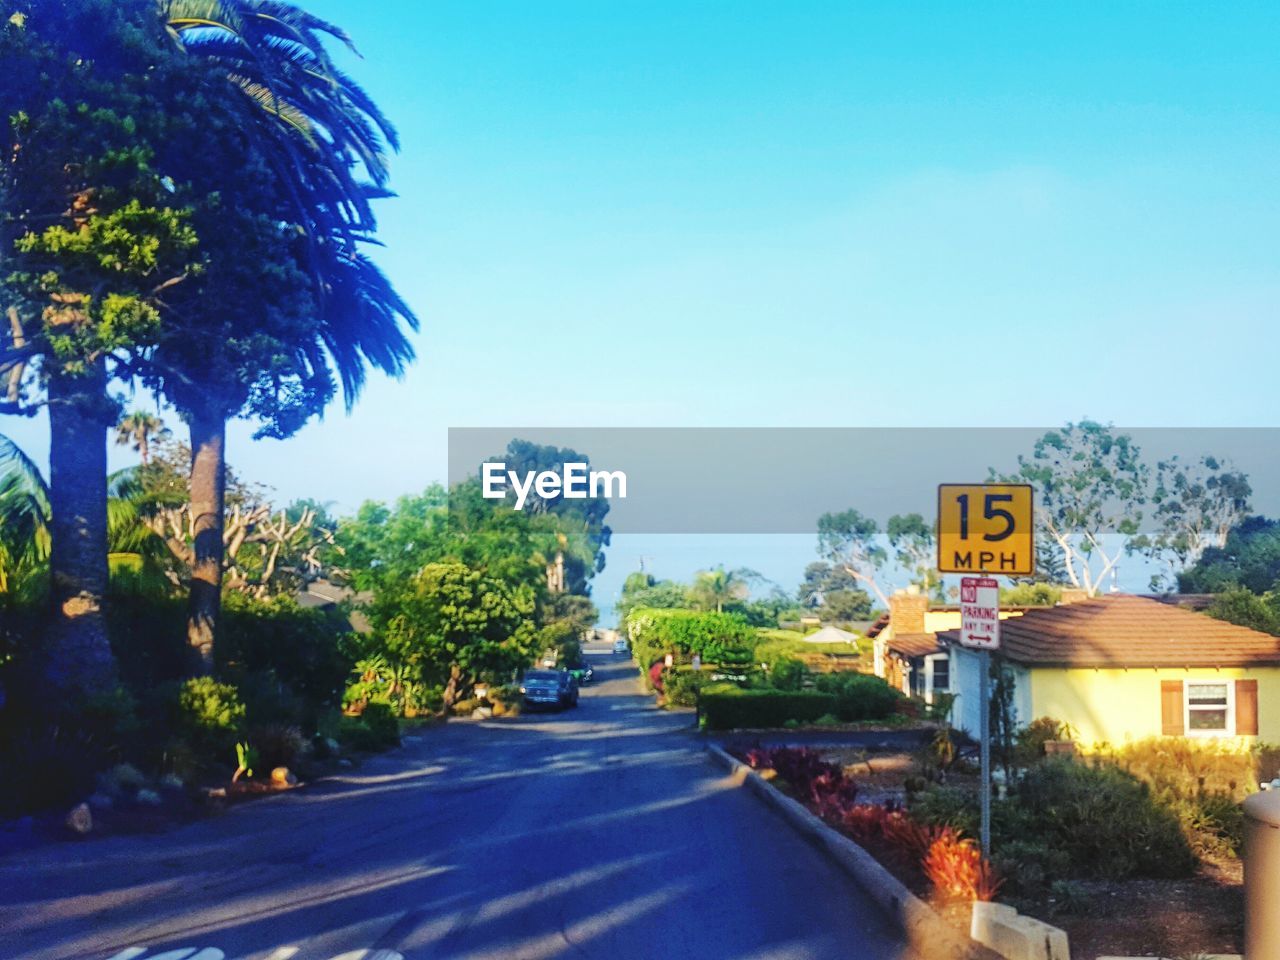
<point>942,674</point>
<point>1209,708</point>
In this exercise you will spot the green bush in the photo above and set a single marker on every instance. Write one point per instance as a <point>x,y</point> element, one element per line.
<point>730,709</point>
<point>720,638</point>
<point>788,674</point>
<point>375,729</point>
<point>1105,821</point>
<point>682,685</point>
<point>210,717</point>
<point>946,807</point>
<point>859,696</point>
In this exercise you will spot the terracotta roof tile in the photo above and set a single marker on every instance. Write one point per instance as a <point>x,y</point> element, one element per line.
<point>911,645</point>
<point>1129,631</point>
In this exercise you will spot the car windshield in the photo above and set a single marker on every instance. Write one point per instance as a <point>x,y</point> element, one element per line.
<point>541,675</point>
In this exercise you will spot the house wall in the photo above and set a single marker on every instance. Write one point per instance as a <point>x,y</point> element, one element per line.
<point>1119,705</point>
<point>966,677</point>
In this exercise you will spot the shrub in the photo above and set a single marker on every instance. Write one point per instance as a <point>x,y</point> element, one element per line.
<point>278,745</point>
<point>210,717</point>
<point>682,685</point>
<point>946,807</point>
<point>1104,820</point>
<point>732,708</point>
<point>859,696</point>
<point>1028,865</point>
<point>1030,740</point>
<point>956,869</point>
<point>788,674</point>
<point>722,638</point>
<point>375,729</point>
<point>817,782</point>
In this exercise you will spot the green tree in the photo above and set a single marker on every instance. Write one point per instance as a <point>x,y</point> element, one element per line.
<point>851,542</point>
<point>1090,484</point>
<point>1195,505</point>
<point>833,592</point>
<point>95,235</point>
<point>456,625</point>
<point>1249,560</point>
<point>915,549</point>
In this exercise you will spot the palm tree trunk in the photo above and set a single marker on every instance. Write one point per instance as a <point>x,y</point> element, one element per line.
<point>80,659</point>
<point>208,497</point>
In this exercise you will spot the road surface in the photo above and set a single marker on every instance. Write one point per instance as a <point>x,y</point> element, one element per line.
<point>601,832</point>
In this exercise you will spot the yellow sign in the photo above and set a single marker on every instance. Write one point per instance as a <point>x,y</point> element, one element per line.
<point>986,528</point>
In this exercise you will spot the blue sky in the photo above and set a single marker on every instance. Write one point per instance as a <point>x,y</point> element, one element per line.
<point>810,214</point>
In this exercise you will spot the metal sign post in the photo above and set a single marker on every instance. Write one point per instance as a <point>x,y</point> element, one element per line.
<point>980,630</point>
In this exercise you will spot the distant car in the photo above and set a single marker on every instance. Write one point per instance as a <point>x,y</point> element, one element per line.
<point>549,688</point>
<point>620,646</point>
<point>582,674</point>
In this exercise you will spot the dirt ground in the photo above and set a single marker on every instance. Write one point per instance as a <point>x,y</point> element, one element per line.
<point>1170,918</point>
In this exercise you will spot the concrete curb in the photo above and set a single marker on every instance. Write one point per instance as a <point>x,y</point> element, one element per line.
<point>925,931</point>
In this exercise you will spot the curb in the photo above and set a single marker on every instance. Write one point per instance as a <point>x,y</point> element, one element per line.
<point>923,928</point>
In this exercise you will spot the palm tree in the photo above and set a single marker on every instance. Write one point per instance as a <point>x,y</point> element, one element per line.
<point>140,429</point>
<point>322,136</point>
<point>24,516</point>
<point>715,588</point>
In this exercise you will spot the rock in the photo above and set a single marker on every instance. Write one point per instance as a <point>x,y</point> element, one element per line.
<point>80,819</point>
<point>344,762</point>
<point>283,777</point>
<point>123,777</point>
<point>216,793</point>
<point>171,781</point>
<point>482,713</point>
<point>149,797</point>
<point>100,801</point>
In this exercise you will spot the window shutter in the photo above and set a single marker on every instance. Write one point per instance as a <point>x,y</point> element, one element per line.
<point>1246,708</point>
<point>1171,708</point>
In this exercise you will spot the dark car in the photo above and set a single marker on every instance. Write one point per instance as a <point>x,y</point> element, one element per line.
<point>549,688</point>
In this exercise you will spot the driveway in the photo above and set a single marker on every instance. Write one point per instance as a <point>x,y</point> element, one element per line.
<point>601,832</point>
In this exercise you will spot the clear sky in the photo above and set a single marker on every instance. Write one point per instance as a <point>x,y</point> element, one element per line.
<point>811,214</point>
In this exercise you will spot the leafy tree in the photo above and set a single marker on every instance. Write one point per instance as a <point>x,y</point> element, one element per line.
<point>915,549</point>
<point>1248,610</point>
<point>456,625</point>
<point>834,592</point>
<point>657,595</point>
<point>24,516</point>
<point>1195,505</point>
<point>1037,594</point>
<point>1249,559</point>
<point>95,235</point>
<point>1090,484</point>
<point>583,531</point>
<point>850,541</point>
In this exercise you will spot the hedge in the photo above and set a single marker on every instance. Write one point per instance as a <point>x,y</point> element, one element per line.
<point>735,709</point>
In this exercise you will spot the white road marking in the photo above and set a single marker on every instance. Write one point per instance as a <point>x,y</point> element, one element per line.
<point>283,953</point>
<point>129,953</point>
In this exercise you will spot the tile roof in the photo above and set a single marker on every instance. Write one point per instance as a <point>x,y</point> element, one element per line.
<point>912,645</point>
<point>1129,631</point>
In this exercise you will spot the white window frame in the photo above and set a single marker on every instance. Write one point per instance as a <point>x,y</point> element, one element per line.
<point>930,661</point>
<point>1187,709</point>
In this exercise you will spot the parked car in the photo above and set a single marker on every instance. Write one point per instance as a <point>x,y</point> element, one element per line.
<point>582,674</point>
<point>549,688</point>
<point>620,646</point>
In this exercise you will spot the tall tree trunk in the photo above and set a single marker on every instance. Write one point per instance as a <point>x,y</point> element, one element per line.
<point>208,500</point>
<point>80,658</point>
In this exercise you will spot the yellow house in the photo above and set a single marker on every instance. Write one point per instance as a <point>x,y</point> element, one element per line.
<point>1122,667</point>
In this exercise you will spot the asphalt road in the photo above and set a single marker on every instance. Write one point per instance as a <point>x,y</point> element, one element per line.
<point>601,832</point>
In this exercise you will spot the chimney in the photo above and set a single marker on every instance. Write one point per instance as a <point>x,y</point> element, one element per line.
<point>1072,595</point>
<point>906,612</point>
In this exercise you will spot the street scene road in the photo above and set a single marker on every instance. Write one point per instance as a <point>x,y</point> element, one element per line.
<point>601,831</point>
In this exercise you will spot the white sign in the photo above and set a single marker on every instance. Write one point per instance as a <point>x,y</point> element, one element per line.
<point>980,613</point>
